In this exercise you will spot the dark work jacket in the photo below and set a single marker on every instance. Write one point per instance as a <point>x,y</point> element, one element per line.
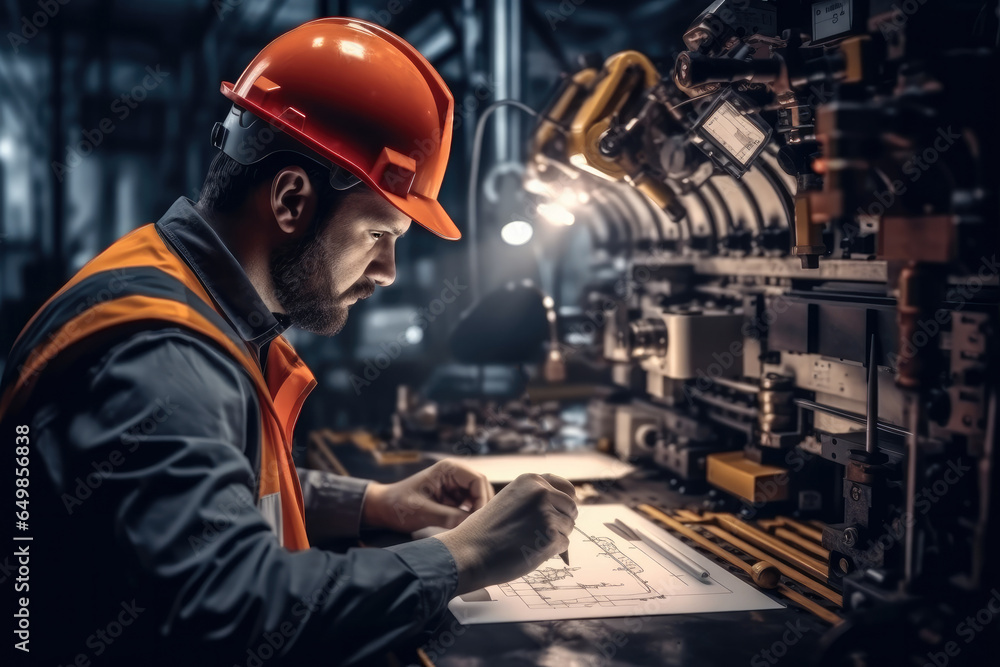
<point>148,546</point>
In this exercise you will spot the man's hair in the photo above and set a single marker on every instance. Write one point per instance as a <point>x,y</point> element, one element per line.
<point>228,183</point>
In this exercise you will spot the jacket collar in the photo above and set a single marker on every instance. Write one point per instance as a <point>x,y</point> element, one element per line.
<point>223,277</point>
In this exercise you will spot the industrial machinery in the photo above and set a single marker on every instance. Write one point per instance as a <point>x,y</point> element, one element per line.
<point>797,224</point>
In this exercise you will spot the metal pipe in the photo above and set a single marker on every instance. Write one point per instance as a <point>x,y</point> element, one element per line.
<point>744,410</point>
<point>516,56</point>
<point>871,417</point>
<point>850,416</point>
<point>787,570</point>
<point>802,542</point>
<point>911,408</point>
<point>983,559</point>
<point>809,605</point>
<point>506,57</point>
<point>745,387</point>
<point>763,573</point>
<point>814,534</point>
<point>806,563</point>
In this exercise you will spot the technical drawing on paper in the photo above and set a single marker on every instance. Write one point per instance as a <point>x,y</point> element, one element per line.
<point>609,576</point>
<point>557,587</point>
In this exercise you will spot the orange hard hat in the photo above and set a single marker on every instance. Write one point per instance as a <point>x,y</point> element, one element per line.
<point>353,95</point>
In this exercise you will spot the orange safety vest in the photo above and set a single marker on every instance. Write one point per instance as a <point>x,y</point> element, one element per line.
<point>139,283</point>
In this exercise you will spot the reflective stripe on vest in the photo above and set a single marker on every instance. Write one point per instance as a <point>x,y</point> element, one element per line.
<point>138,284</point>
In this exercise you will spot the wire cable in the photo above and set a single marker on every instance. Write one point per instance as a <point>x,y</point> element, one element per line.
<point>473,194</point>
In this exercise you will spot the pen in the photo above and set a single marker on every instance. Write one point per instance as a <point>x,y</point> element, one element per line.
<point>565,556</point>
<point>665,550</point>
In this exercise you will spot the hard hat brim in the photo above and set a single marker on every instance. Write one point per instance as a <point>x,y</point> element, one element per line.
<point>426,212</point>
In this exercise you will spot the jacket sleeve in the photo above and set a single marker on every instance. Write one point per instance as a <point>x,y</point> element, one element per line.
<point>333,504</point>
<point>186,521</point>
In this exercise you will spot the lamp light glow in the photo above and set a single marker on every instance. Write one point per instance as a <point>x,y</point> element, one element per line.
<point>516,232</point>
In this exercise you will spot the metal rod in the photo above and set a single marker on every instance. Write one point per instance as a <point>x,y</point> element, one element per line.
<point>806,563</point>
<point>871,417</point>
<point>813,533</point>
<point>911,408</point>
<point>809,605</point>
<point>687,516</point>
<point>507,60</point>
<point>763,573</point>
<point>798,540</point>
<point>745,387</point>
<point>732,422</point>
<point>787,570</point>
<point>983,560</point>
<point>724,405</point>
<point>850,416</point>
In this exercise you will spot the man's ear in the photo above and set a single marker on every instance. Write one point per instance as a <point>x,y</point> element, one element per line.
<point>293,200</point>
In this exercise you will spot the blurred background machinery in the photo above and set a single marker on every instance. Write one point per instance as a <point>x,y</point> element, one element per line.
<point>750,247</point>
<point>796,214</point>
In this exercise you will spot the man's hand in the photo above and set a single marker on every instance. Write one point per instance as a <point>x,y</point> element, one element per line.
<point>527,523</point>
<point>442,495</point>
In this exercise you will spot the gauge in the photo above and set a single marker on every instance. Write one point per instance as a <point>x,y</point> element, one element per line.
<point>732,134</point>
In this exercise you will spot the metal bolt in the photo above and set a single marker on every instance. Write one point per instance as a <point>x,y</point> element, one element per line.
<point>850,536</point>
<point>855,493</point>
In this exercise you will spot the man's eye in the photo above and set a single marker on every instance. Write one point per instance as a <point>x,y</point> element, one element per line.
<point>377,235</point>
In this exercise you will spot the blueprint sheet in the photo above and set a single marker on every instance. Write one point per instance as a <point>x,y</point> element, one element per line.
<point>609,576</point>
<point>574,466</point>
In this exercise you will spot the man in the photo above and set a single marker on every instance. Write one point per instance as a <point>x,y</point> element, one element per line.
<point>153,399</point>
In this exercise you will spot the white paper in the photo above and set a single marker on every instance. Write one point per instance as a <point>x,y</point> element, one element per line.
<point>574,466</point>
<point>609,577</point>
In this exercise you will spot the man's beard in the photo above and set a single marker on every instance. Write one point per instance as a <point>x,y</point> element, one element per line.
<point>300,272</point>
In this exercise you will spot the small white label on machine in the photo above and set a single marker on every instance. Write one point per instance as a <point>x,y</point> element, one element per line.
<point>733,132</point>
<point>830,18</point>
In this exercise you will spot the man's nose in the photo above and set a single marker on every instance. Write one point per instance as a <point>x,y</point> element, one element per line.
<point>382,268</point>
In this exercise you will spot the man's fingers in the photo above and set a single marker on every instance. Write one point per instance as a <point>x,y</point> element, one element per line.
<point>481,491</point>
<point>558,535</point>
<point>561,484</point>
<point>474,484</point>
<point>564,505</point>
<point>565,500</point>
<point>453,496</point>
<point>563,522</point>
